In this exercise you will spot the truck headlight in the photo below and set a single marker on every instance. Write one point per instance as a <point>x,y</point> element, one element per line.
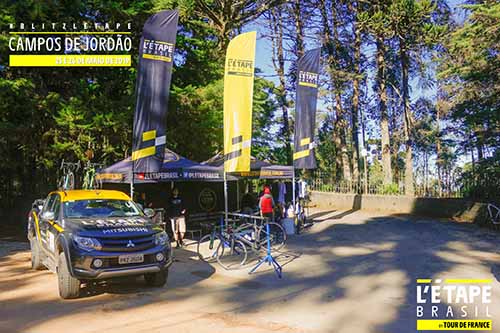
<point>87,243</point>
<point>161,238</point>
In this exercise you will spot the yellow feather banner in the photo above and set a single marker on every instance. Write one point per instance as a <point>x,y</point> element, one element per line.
<point>238,97</point>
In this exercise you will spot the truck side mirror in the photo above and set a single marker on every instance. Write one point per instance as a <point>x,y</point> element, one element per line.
<point>48,216</point>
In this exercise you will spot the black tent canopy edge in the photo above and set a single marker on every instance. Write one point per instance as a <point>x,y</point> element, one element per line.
<point>178,168</point>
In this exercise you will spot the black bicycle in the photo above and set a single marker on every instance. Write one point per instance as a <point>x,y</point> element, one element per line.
<point>301,216</point>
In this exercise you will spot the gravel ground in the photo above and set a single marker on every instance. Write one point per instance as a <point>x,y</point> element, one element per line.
<point>349,272</point>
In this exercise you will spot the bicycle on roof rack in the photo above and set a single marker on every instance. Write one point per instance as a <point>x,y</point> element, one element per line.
<point>67,180</point>
<point>90,181</point>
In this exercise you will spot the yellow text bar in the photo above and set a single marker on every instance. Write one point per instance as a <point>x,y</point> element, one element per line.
<point>70,32</point>
<point>471,281</point>
<point>453,325</point>
<point>66,60</point>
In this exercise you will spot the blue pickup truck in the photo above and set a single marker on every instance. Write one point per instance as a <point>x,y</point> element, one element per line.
<point>84,235</point>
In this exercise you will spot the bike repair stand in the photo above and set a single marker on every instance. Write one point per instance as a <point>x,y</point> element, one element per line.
<point>268,258</point>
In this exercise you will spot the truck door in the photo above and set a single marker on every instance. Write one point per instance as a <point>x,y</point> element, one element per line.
<point>45,221</point>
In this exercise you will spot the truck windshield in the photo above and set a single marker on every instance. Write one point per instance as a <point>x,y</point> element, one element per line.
<point>100,208</point>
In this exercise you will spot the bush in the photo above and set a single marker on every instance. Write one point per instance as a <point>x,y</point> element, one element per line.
<point>389,189</point>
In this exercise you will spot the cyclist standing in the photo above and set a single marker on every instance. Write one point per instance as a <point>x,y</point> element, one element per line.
<point>266,204</point>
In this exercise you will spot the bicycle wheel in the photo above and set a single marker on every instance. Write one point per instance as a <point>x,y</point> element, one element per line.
<point>96,184</point>
<point>231,254</point>
<point>70,181</point>
<point>301,219</point>
<point>277,236</point>
<point>207,247</point>
<point>85,184</point>
<point>60,183</point>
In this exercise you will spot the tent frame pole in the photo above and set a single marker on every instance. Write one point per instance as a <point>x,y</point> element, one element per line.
<point>293,188</point>
<point>238,194</point>
<point>132,183</point>
<point>225,198</point>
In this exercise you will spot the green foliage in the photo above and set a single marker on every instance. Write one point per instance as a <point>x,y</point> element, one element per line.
<point>389,189</point>
<point>326,150</point>
<point>471,72</point>
<point>482,181</point>
<point>264,106</point>
<point>194,120</point>
<point>49,114</point>
<point>376,174</point>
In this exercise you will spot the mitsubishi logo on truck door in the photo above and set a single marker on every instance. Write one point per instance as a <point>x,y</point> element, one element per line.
<point>130,244</point>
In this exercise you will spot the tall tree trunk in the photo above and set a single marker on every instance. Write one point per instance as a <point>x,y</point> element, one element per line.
<point>479,144</point>
<point>355,92</point>
<point>279,66</point>
<point>394,137</point>
<point>341,129</point>
<point>299,29</point>
<point>339,172</point>
<point>299,46</point>
<point>384,118</point>
<point>426,173</point>
<point>403,54</point>
<point>341,117</point>
<point>330,50</point>
<point>473,160</point>
<point>439,167</point>
<point>439,161</point>
<point>365,147</point>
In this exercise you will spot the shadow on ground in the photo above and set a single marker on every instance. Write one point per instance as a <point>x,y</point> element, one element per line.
<point>359,275</point>
<point>351,273</point>
<point>44,305</point>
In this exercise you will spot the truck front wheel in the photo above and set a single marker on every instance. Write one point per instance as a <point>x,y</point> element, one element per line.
<point>69,287</point>
<point>156,279</point>
<point>36,255</point>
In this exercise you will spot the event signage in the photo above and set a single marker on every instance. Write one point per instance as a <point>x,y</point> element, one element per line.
<point>454,304</point>
<point>69,44</point>
<point>238,96</point>
<point>156,51</point>
<point>305,112</point>
<point>207,199</point>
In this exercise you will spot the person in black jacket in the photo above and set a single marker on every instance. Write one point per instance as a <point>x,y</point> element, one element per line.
<point>177,217</point>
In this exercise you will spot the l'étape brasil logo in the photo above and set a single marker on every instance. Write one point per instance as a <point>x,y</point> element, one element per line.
<point>239,67</point>
<point>308,79</point>
<point>454,304</point>
<point>157,50</point>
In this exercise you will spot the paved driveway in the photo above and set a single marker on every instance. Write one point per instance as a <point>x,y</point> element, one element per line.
<point>350,272</point>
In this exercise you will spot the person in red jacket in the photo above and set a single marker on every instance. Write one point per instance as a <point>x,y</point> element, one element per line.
<point>266,204</point>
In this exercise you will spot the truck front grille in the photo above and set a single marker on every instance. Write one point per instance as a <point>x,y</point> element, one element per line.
<point>127,244</point>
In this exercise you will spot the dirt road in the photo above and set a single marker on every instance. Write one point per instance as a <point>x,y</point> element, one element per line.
<point>350,272</point>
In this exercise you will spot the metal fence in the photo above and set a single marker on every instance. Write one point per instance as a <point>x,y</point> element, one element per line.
<point>326,182</point>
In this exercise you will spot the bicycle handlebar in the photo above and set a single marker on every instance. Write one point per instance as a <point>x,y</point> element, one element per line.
<point>256,217</point>
<point>73,166</point>
<point>94,166</point>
